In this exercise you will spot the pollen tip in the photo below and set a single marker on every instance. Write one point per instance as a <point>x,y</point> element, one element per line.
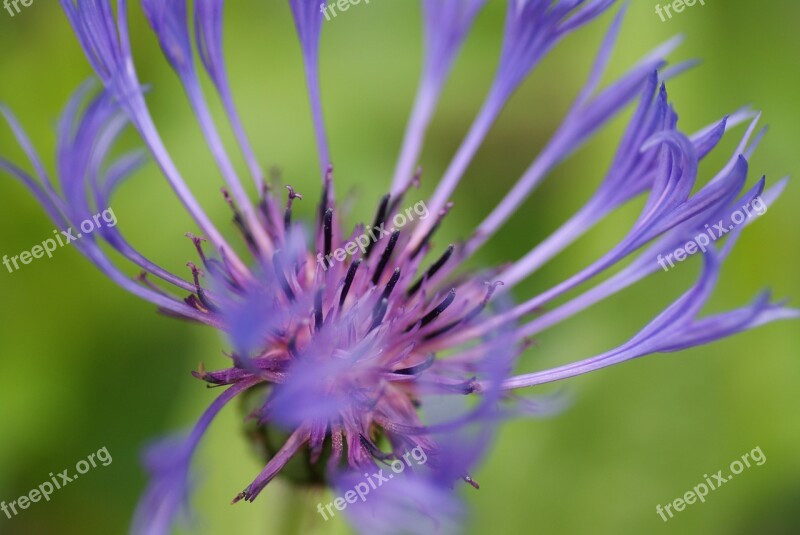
<point>195,238</point>
<point>472,482</point>
<point>293,194</point>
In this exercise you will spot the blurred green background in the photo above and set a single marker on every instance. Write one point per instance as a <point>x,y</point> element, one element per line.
<point>85,365</point>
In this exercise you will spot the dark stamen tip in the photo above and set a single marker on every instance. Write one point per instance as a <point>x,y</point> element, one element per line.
<point>318,319</point>
<point>380,219</point>
<point>441,307</point>
<point>287,216</point>
<point>384,260</point>
<point>293,194</point>
<point>328,230</point>
<point>195,271</point>
<point>348,281</point>
<point>472,482</point>
<point>391,284</point>
<point>194,238</point>
<point>435,267</point>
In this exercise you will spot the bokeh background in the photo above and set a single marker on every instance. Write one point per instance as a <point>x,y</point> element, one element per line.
<point>85,365</point>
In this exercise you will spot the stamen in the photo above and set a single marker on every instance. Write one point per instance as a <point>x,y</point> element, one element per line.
<point>380,218</point>
<point>239,221</point>
<point>245,495</point>
<point>326,198</point>
<point>326,193</point>
<point>432,270</point>
<point>198,240</point>
<point>387,253</point>
<point>391,284</point>
<point>490,288</point>
<point>212,265</point>
<point>348,281</point>
<point>441,307</point>
<point>201,294</point>
<point>195,303</point>
<point>318,309</point>
<point>328,230</point>
<point>472,482</point>
<point>220,378</point>
<point>287,216</point>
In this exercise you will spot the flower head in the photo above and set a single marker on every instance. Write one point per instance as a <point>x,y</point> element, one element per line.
<point>362,346</point>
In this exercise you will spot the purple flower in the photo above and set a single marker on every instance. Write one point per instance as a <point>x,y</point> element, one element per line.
<point>361,347</point>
